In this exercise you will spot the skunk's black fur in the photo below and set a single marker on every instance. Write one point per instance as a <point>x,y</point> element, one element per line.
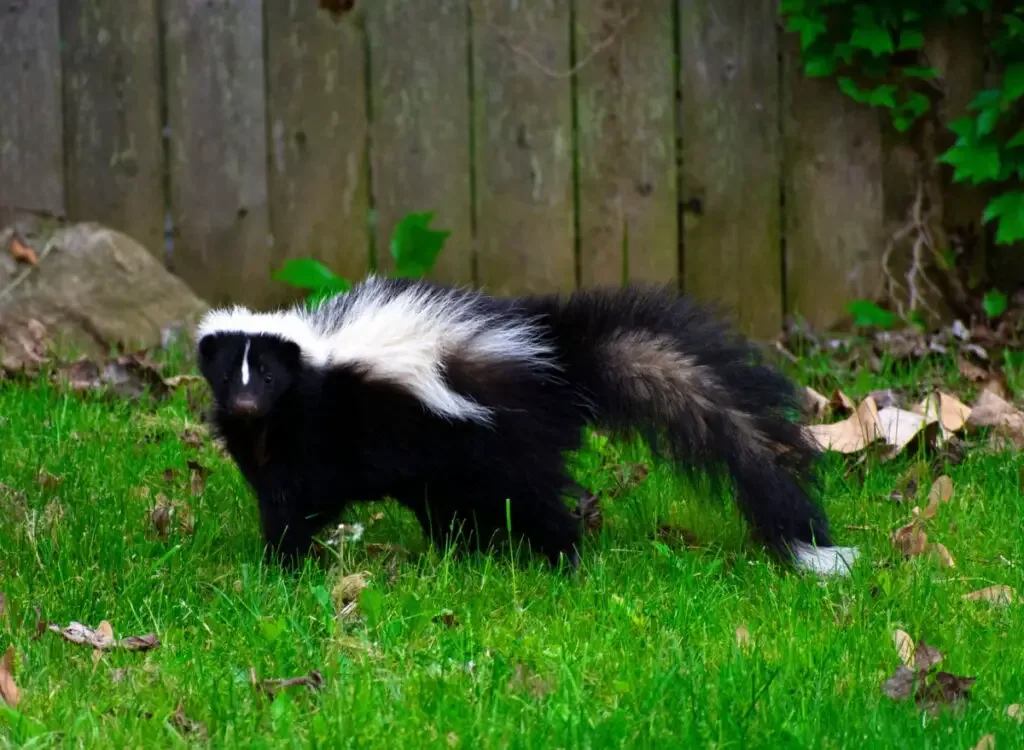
<point>317,427</point>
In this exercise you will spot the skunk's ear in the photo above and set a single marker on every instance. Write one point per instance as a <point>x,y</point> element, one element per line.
<point>207,347</point>
<point>290,354</point>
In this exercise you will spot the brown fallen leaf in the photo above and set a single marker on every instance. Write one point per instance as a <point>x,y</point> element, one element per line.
<point>851,435</point>
<point>102,638</point>
<point>971,371</point>
<point>816,405</point>
<point>41,624</point>
<point>951,413</point>
<point>901,428</point>
<point>21,252</point>
<point>841,403</point>
<point>904,646</point>
<point>943,554</point>
<point>176,381</point>
<point>987,742</point>
<point>191,438</point>
<point>187,726</point>
<point>588,510</point>
<point>48,481</point>
<point>742,637</point>
<point>272,686</point>
<point>1016,712</point>
<point>676,537</point>
<point>197,477</point>
<point>3,607</point>
<point>25,347</point>
<point>946,688</point>
<point>1000,596</point>
<point>447,618</point>
<point>523,678</point>
<point>911,539</point>
<point>941,492</point>
<point>992,411</point>
<point>9,690</point>
<point>348,588</point>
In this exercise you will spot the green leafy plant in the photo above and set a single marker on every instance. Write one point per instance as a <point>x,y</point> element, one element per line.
<point>871,48</point>
<point>414,247</point>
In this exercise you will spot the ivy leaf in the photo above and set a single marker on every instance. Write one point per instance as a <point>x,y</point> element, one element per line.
<point>973,162</point>
<point>1017,141</point>
<point>819,66</point>
<point>1013,83</point>
<point>1011,228</point>
<point>994,303</point>
<point>1009,209</point>
<point>867,314</point>
<point>883,95</point>
<point>875,40</point>
<point>987,120</point>
<point>911,39</point>
<point>920,71</point>
<point>415,246</point>
<point>963,127</point>
<point>985,99</point>
<point>306,273</point>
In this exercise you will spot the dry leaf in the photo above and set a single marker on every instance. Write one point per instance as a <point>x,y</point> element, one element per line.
<point>943,554</point>
<point>47,480</point>
<point>187,726</point>
<point>988,742</point>
<point>816,405</point>
<point>524,679</point>
<point>951,413</point>
<point>971,371</point>
<point>447,618</point>
<point>941,491</point>
<point>842,403</point>
<point>588,510</point>
<point>348,588</point>
<point>998,595</point>
<point>197,477</point>
<point>742,637</point>
<point>851,435</point>
<point>992,411</point>
<point>22,252</point>
<point>901,427</point>
<point>886,398</point>
<point>3,606</point>
<point>911,539</point>
<point>9,690</point>
<point>102,637</point>
<point>904,646</point>
<point>191,437</point>
<point>1016,712</point>
<point>178,380</point>
<point>901,685</point>
<point>314,681</point>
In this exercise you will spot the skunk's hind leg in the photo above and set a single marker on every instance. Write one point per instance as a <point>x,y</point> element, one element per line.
<point>479,515</point>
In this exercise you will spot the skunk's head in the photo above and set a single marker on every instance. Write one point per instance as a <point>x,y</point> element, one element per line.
<point>248,372</point>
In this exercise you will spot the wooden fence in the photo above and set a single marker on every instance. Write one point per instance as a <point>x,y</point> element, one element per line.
<point>562,142</point>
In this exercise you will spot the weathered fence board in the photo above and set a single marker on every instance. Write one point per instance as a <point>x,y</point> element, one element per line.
<point>319,186</point>
<point>626,106</point>
<point>115,154</point>
<point>31,136</point>
<point>218,166</point>
<point>421,125</point>
<point>833,198</point>
<point>523,155</point>
<point>731,170</point>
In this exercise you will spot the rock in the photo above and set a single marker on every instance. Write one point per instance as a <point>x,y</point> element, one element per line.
<point>91,288</point>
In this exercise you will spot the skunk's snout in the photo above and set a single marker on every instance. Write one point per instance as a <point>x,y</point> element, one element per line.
<point>245,405</point>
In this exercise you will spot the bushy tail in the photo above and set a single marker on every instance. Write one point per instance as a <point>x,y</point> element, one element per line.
<point>655,363</point>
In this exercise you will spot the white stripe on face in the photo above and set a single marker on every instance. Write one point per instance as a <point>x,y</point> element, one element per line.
<point>245,363</point>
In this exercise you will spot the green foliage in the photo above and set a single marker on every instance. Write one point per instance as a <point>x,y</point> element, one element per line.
<point>870,48</point>
<point>994,303</point>
<point>867,314</point>
<point>414,248</point>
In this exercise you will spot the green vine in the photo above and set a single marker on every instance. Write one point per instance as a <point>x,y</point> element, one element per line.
<point>875,52</point>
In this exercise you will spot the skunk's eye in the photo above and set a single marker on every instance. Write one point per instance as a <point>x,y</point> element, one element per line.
<point>268,377</point>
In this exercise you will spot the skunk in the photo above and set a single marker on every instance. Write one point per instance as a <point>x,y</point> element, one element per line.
<point>462,407</point>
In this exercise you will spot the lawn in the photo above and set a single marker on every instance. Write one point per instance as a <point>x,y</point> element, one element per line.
<point>677,632</point>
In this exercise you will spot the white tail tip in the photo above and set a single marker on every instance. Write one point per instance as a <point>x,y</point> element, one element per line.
<point>825,560</point>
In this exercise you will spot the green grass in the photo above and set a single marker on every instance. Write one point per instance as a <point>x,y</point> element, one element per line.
<point>639,650</point>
